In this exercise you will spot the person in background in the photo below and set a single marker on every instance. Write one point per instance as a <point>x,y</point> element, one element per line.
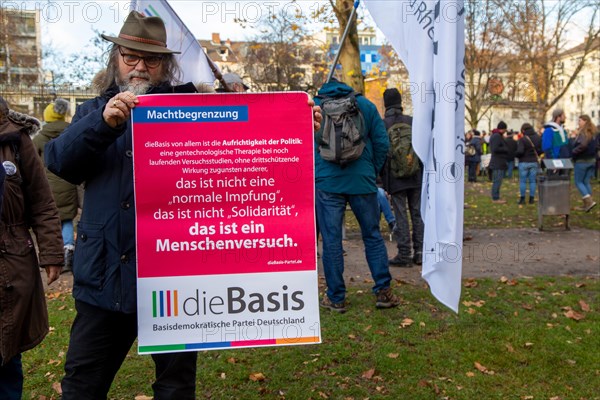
<point>555,143</point>
<point>405,192</point>
<point>386,209</point>
<point>473,160</point>
<point>511,144</point>
<point>65,194</point>
<point>26,205</point>
<point>529,150</point>
<point>354,184</point>
<point>584,154</point>
<point>498,165</point>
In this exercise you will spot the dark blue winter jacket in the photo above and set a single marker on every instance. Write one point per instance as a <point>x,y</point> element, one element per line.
<point>90,151</point>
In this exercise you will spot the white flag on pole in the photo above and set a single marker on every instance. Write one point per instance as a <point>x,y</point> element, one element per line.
<point>193,60</point>
<point>428,36</point>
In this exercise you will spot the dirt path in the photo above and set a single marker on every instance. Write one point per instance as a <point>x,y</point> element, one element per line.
<point>498,252</point>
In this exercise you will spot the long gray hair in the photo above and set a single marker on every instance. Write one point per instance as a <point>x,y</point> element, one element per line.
<point>104,80</point>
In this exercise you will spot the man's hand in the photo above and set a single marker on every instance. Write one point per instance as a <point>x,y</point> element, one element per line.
<point>118,109</point>
<point>53,272</point>
<point>317,117</point>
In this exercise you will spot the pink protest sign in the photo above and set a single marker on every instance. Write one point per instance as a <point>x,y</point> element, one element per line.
<point>224,196</point>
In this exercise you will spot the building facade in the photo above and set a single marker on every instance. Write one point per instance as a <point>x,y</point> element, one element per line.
<point>20,48</point>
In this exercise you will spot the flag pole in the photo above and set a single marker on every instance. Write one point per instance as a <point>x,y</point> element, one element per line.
<point>342,40</point>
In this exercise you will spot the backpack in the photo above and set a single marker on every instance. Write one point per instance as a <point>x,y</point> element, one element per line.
<point>340,138</point>
<point>404,161</point>
<point>470,151</point>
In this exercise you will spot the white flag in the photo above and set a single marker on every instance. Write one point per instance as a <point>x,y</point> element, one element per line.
<point>429,38</point>
<point>193,60</point>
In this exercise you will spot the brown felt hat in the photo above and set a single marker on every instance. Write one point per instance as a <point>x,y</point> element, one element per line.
<point>143,34</point>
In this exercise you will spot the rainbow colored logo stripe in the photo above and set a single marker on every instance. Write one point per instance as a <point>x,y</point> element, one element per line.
<point>232,344</point>
<point>165,303</point>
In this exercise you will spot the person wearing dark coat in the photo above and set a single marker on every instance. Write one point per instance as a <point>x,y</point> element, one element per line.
<point>529,149</point>
<point>97,149</point>
<point>511,145</point>
<point>498,163</point>
<point>405,193</point>
<point>27,206</point>
<point>473,139</point>
<point>64,193</point>
<point>354,184</point>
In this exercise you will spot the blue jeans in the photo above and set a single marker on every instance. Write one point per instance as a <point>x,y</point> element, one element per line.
<point>11,379</point>
<point>510,168</point>
<point>330,213</point>
<point>527,175</point>
<point>384,205</point>
<point>497,176</point>
<point>67,232</point>
<point>402,232</point>
<point>583,174</point>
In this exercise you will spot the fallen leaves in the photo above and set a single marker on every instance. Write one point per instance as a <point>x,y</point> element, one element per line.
<point>570,313</point>
<point>471,283</point>
<point>478,303</point>
<point>584,306</point>
<point>57,387</point>
<point>483,369</point>
<point>368,374</point>
<point>406,322</point>
<point>574,315</point>
<point>257,377</point>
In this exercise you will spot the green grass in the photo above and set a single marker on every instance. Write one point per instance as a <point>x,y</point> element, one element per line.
<point>482,213</point>
<point>511,340</point>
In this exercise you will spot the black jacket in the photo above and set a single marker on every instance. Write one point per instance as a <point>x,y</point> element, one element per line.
<point>511,145</point>
<point>391,184</point>
<point>526,145</point>
<point>499,150</point>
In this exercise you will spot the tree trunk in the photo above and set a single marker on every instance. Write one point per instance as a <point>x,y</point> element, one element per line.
<point>350,54</point>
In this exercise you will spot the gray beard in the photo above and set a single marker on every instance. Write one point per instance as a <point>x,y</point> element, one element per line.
<point>137,89</point>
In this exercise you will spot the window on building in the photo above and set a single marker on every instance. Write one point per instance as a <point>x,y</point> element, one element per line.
<point>516,114</point>
<point>362,58</point>
<point>560,84</point>
<point>593,114</point>
<point>374,58</point>
<point>559,66</point>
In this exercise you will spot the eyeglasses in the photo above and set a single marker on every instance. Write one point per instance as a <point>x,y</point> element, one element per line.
<point>132,60</point>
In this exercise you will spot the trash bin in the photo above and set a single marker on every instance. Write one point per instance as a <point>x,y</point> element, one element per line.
<point>554,190</point>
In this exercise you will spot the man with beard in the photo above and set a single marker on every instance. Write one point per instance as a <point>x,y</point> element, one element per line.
<point>97,149</point>
<point>555,143</point>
